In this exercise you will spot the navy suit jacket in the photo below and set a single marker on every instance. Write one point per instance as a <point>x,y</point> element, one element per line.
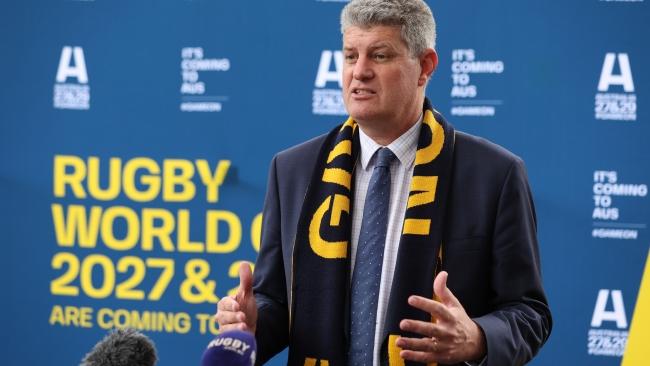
<point>489,249</point>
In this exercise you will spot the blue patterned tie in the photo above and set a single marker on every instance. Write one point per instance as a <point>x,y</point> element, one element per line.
<point>369,258</point>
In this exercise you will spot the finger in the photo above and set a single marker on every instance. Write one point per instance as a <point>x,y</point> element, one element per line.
<point>441,290</point>
<point>418,356</point>
<point>245,281</point>
<point>426,329</point>
<point>416,344</point>
<point>435,308</point>
<point>230,317</point>
<point>235,326</point>
<point>227,304</point>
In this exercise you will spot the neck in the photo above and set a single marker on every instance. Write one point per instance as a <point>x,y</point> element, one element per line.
<point>385,132</point>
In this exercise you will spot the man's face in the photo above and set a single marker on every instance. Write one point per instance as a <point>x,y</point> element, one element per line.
<point>380,77</point>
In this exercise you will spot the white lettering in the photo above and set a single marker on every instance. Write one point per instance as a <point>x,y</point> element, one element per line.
<point>617,314</point>
<point>633,190</point>
<point>324,74</point>
<point>615,234</point>
<point>465,67</point>
<point>211,64</point>
<point>608,78</point>
<point>67,69</point>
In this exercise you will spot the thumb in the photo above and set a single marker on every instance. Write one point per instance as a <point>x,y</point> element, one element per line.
<point>441,290</point>
<point>245,281</point>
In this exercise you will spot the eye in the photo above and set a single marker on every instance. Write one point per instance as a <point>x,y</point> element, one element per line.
<point>380,56</point>
<point>350,57</point>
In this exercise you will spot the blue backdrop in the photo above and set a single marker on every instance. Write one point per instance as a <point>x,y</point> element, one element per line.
<point>136,136</point>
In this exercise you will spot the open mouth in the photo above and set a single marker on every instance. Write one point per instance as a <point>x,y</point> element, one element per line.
<point>362,91</point>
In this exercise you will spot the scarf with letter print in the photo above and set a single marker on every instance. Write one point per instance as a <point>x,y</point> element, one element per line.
<point>319,307</point>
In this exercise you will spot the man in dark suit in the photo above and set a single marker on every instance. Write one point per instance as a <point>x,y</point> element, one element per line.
<point>394,239</point>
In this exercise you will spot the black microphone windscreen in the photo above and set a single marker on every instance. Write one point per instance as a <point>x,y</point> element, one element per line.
<point>122,347</point>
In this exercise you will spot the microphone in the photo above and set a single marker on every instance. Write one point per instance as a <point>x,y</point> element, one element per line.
<point>122,347</point>
<point>232,348</point>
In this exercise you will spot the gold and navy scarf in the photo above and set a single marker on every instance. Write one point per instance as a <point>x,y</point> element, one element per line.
<point>321,259</point>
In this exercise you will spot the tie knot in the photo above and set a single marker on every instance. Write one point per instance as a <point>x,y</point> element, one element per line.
<point>384,157</point>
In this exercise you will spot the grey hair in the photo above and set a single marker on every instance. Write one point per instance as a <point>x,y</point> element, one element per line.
<point>414,17</point>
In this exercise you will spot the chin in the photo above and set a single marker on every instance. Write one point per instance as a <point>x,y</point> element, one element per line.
<point>362,114</point>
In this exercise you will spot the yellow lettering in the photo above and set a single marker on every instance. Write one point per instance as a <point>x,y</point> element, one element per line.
<point>416,226</point>
<point>61,285</point>
<point>114,177</point>
<point>150,181</point>
<point>393,352</point>
<point>167,266</point>
<point>427,187</point>
<point>312,362</point>
<point>71,316</point>
<point>72,179</point>
<point>75,224</point>
<point>207,323</point>
<point>178,173</point>
<point>132,228</point>
<point>108,278</point>
<point>212,181</point>
<point>203,322</point>
<point>140,320</point>
<point>162,232</point>
<point>343,147</point>
<point>341,204</point>
<point>337,176</point>
<point>56,316</point>
<point>102,320</point>
<point>86,317</point>
<point>142,179</point>
<point>127,289</point>
<point>122,228</point>
<point>212,231</point>
<point>256,232</point>
<point>349,123</point>
<point>427,154</point>
<point>320,246</point>
<point>183,323</point>
<point>184,243</point>
<point>146,320</point>
<point>121,318</point>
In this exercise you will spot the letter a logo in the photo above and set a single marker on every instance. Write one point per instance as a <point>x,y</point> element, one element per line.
<point>608,78</point>
<point>72,64</point>
<point>617,314</point>
<point>324,73</point>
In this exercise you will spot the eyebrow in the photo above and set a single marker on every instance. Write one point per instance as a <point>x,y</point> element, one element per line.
<point>380,44</point>
<point>373,47</point>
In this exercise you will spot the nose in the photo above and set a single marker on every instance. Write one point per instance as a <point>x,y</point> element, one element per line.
<point>362,69</point>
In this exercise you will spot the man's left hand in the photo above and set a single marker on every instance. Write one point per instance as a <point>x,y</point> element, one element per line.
<point>453,338</point>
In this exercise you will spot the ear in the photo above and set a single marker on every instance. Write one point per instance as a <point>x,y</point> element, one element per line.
<point>428,63</point>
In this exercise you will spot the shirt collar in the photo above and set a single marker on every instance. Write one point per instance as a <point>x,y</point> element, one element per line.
<point>403,147</point>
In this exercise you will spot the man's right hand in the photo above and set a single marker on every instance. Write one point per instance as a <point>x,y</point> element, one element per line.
<point>239,312</point>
